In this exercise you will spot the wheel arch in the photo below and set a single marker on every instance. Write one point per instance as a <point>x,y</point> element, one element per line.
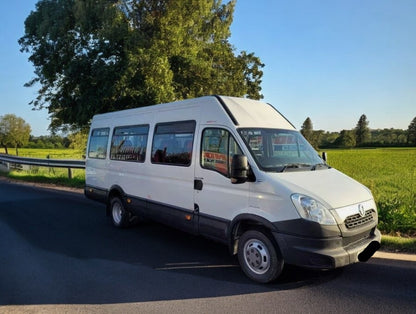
<point>245,222</point>
<point>114,191</point>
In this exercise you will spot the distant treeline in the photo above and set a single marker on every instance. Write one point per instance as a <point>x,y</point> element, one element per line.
<point>345,139</point>
<point>48,141</point>
<point>360,136</point>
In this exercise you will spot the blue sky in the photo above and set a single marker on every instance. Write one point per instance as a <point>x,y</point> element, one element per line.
<point>330,60</point>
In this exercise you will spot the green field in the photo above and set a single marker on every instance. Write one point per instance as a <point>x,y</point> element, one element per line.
<point>53,153</point>
<point>390,173</point>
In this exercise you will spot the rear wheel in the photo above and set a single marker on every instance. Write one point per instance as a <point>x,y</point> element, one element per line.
<point>258,257</point>
<point>119,214</point>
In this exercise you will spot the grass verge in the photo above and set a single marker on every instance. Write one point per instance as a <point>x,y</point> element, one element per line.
<point>75,182</point>
<point>398,244</point>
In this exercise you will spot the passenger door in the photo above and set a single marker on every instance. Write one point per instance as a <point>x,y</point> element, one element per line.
<point>217,200</point>
<point>170,183</point>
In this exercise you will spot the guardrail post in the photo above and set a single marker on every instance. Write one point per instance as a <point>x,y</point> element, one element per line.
<point>5,166</point>
<point>69,173</point>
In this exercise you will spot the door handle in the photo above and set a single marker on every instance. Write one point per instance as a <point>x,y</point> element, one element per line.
<point>198,184</point>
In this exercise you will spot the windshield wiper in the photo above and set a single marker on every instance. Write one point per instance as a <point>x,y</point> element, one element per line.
<point>295,167</point>
<point>320,166</point>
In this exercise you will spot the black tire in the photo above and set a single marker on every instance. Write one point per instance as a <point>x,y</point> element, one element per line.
<point>258,257</point>
<point>120,216</point>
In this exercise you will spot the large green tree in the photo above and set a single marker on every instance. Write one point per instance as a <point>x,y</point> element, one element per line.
<point>97,56</point>
<point>14,132</point>
<point>362,131</point>
<point>307,129</point>
<point>411,132</point>
<point>313,137</point>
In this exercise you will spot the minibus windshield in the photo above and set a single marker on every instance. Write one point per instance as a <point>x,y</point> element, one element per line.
<point>277,150</point>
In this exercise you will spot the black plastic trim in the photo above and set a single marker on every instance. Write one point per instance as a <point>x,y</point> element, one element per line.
<point>198,184</point>
<point>96,194</point>
<point>282,115</point>
<point>253,219</point>
<point>326,253</point>
<point>172,216</point>
<point>177,217</point>
<point>214,228</point>
<point>192,221</point>
<point>227,110</point>
<point>305,228</point>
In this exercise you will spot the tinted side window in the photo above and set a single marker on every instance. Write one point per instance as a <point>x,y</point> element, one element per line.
<point>98,143</point>
<point>218,148</point>
<point>173,142</point>
<point>129,143</point>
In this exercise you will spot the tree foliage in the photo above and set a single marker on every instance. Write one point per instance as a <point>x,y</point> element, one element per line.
<point>48,141</point>
<point>307,129</point>
<point>362,131</point>
<point>14,132</point>
<point>313,137</point>
<point>78,141</point>
<point>411,132</point>
<point>346,139</point>
<point>98,56</point>
<point>388,137</point>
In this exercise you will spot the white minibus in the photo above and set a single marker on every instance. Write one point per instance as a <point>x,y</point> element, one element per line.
<point>236,171</point>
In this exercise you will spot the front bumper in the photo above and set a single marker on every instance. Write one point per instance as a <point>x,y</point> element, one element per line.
<point>327,253</point>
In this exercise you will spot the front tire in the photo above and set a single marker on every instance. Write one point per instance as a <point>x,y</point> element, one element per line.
<point>120,216</point>
<point>258,257</point>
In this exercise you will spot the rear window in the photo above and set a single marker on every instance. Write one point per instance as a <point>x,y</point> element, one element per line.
<point>98,143</point>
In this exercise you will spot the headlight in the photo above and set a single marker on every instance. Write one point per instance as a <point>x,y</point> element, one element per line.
<point>311,209</point>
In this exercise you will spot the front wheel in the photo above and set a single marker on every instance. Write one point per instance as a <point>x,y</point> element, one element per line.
<point>119,215</point>
<point>258,257</point>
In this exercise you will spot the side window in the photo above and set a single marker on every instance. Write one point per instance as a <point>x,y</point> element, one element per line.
<point>129,143</point>
<point>98,143</point>
<point>173,142</point>
<point>218,149</point>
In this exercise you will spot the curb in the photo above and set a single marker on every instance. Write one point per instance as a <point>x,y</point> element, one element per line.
<point>43,185</point>
<point>395,256</point>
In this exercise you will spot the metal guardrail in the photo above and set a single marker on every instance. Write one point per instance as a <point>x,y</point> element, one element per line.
<point>58,163</point>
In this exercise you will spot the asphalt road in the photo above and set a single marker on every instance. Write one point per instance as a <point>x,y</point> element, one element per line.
<point>60,253</point>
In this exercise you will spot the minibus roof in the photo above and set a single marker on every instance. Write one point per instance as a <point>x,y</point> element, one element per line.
<point>253,113</point>
<point>242,112</point>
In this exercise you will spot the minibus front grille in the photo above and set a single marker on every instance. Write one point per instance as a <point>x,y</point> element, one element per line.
<point>357,220</point>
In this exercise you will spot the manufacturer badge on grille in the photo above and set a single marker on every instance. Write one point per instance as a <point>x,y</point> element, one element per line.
<point>361,210</point>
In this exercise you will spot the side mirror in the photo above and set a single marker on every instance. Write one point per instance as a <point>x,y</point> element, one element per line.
<point>324,156</point>
<point>239,169</point>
